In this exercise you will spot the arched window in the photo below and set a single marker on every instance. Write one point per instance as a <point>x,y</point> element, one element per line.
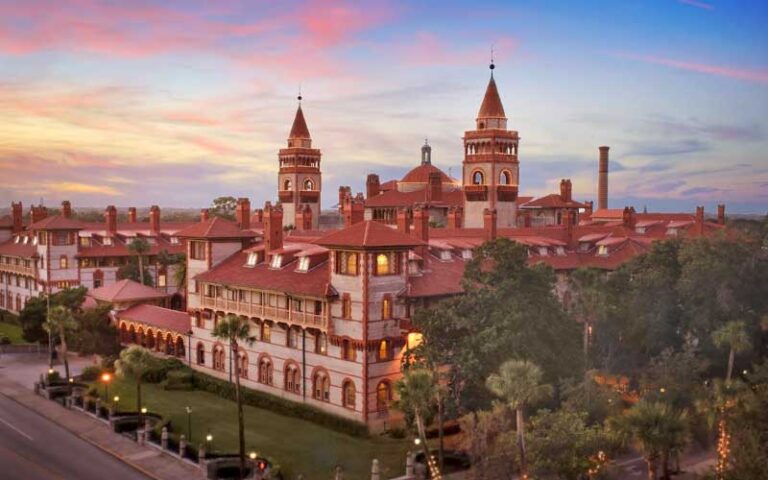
<point>383,396</point>
<point>384,350</point>
<point>168,344</point>
<point>200,354</point>
<point>321,386</point>
<point>265,370</point>
<point>287,185</point>
<point>386,308</point>
<point>150,339</point>
<point>98,279</point>
<point>131,330</point>
<point>180,350</point>
<point>309,184</point>
<point>218,357</point>
<point>348,394</point>
<point>347,350</point>
<point>242,363</point>
<point>321,344</point>
<point>505,178</point>
<point>63,262</point>
<point>477,178</point>
<point>385,264</point>
<point>292,378</point>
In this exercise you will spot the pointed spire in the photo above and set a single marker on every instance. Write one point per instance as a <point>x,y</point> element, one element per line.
<point>491,106</point>
<point>299,129</point>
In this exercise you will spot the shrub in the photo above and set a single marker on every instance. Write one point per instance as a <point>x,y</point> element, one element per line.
<point>93,392</point>
<point>55,376</point>
<point>179,380</point>
<point>108,362</point>
<point>278,405</point>
<point>160,368</point>
<point>90,374</point>
<point>4,339</point>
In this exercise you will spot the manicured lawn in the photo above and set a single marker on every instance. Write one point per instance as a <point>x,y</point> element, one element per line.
<point>11,331</point>
<point>296,445</point>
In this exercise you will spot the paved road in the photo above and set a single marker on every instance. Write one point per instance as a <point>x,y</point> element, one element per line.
<point>34,448</point>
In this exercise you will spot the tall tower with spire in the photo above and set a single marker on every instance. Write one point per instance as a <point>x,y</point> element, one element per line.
<point>490,169</point>
<point>299,178</point>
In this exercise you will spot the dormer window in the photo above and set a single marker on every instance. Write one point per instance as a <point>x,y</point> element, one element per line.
<point>560,251</point>
<point>17,239</point>
<point>639,229</point>
<point>26,240</point>
<point>602,250</point>
<point>34,240</point>
<point>174,240</point>
<point>543,251</point>
<point>445,255</point>
<point>672,232</point>
<point>253,259</point>
<point>277,261</point>
<point>466,254</point>
<point>303,264</point>
<point>108,241</point>
<point>85,242</point>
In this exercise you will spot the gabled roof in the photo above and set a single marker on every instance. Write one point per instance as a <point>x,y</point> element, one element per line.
<point>491,106</point>
<point>13,249</point>
<point>125,291</point>
<point>368,234</point>
<point>553,200</point>
<point>299,128</point>
<point>57,222</point>
<point>215,227</point>
<point>158,317</point>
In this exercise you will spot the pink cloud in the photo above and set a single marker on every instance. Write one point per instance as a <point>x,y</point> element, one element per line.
<point>694,3</point>
<point>191,118</point>
<point>210,145</point>
<point>759,76</point>
<point>429,49</point>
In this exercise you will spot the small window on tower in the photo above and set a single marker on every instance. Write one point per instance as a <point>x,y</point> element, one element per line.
<point>287,185</point>
<point>477,178</point>
<point>309,185</point>
<point>505,178</point>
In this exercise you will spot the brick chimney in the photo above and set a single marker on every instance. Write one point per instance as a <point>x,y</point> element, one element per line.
<point>568,222</point>
<point>628,217</point>
<point>38,213</point>
<point>154,220</point>
<point>372,185</point>
<point>489,223</point>
<point>421,228</point>
<point>204,215</point>
<point>404,220</point>
<point>588,209</point>
<point>243,213</point>
<point>563,190</point>
<point>700,220</point>
<point>66,209</point>
<point>344,193</point>
<point>721,214</point>
<point>353,210</point>
<point>131,214</point>
<point>110,218</point>
<point>258,215</point>
<point>17,213</point>
<point>602,178</point>
<point>273,228</point>
<point>454,218</point>
<point>304,218</point>
<point>435,187</point>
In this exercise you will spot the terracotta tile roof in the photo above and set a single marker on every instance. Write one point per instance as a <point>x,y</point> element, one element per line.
<point>168,228</point>
<point>552,201</point>
<point>439,278</point>
<point>491,106</point>
<point>233,271</point>
<point>215,227</point>
<point>159,317</point>
<point>299,128</point>
<point>57,222</point>
<point>121,250</point>
<point>395,198</point>
<point>6,221</point>
<point>421,174</point>
<point>125,291</point>
<point>388,185</point>
<point>368,234</point>
<point>608,213</point>
<point>13,249</point>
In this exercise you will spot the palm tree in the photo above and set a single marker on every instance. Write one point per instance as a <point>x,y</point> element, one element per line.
<point>60,319</point>
<point>734,336</point>
<point>140,247</point>
<point>416,395</point>
<point>659,430</point>
<point>133,362</point>
<point>236,330</point>
<point>519,384</point>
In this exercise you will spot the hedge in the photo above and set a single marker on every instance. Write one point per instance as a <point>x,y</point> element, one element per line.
<point>278,405</point>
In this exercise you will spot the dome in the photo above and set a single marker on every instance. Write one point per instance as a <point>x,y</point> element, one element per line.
<point>421,173</point>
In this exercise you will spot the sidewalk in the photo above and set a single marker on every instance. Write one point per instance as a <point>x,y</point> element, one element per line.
<point>148,460</point>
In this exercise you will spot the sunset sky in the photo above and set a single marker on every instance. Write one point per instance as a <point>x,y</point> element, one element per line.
<point>177,102</point>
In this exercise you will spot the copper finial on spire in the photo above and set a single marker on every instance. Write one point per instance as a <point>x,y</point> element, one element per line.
<point>492,65</point>
<point>299,97</point>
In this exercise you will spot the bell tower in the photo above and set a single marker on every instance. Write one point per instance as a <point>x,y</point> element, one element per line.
<point>299,177</point>
<point>490,173</point>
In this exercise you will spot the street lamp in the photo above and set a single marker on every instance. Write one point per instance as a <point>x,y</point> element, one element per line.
<point>209,439</point>
<point>117,402</point>
<point>106,377</point>
<point>189,423</point>
<point>252,455</point>
<point>417,441</point>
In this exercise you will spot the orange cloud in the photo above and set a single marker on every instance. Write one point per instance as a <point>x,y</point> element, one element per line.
<point>75,187</point>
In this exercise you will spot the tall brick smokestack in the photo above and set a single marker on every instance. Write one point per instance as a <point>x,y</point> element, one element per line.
<point>154,220</point>
<point>17,214</point>
<point>110,220</point>
<point>602,179</point>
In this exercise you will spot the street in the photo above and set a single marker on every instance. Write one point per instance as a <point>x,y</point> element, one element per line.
<point>32,448</point>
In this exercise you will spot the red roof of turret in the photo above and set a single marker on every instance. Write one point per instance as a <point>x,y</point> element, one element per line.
<point>421,173</point>
<point>299,128</point>
<point>126,290</point>
<point>491,106</point>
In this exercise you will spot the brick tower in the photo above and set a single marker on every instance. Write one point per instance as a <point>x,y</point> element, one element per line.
<point>299,178</point>
<point>490,167</point>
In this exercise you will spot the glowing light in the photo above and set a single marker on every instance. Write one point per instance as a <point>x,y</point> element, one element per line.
<point>106,377</point>
<point>417,441</point>
<point>662,389</point>
<point>414,340</point>
<point>50,371</point>
<point>253,455</point>
<point>116,399</point>
<point>209,438</point>
<point>143,409</point>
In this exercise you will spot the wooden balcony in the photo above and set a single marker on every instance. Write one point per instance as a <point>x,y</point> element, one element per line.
<point>506,193</point>
<point>304,319</point>
<point>309,196</point>
<point>285,196</point>
<point>476,192</point>
<point>20,269</point>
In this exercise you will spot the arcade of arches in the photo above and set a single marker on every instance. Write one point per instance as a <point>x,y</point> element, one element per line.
<point>169,343</point>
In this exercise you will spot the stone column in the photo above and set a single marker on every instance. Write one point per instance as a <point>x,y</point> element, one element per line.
<point>182,445</point>
<point>375,473</point>
<point>409,465</point>
<point>98,406</point>
<point>164,438</point>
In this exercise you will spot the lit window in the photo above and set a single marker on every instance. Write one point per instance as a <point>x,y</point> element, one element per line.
<point>386,308</point>
<point>63,262</point>
<point>174,240</point>
<point>303,264</point>
<point>349,394</point>
<point>308,184</point>
<point>346,307</point>
<point>162,280</point>
<point>108,241</point>
<point>385,264</point>
<point>266,333</point>
<point>277,261</point>
<point>602,250</point>
<point>347,263</point>
<point>321,344</point>
<point>384,350</point>
<point>383,396</point>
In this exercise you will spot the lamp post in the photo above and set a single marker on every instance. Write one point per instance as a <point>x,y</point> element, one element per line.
<point>116,400</point>
<point>189,423</point>
<point>106,377</point>
<point>209,440</point>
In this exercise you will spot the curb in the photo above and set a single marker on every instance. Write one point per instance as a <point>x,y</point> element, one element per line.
<point>91,442</point>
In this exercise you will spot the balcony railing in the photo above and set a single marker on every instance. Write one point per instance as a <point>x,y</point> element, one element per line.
<point>304,319</point>
<point>13,268</point>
